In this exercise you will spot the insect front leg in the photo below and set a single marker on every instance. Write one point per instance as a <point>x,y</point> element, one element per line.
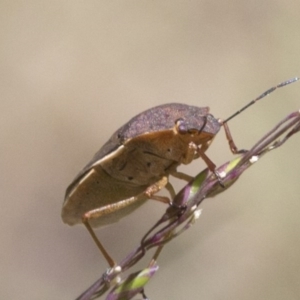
<point>234,149</point>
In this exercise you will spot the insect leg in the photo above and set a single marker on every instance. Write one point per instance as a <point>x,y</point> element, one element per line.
<point>156,187</point>
<point>158,251</point>
<point>231,143</point>
<point>211,166</point>
<point>170,189</point>
<point>103,251</point>
<point>102,211</point>
<point>181,175</point>
<point>111,208</point>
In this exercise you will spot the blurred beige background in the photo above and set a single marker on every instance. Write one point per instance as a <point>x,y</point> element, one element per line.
<point>72,72</point>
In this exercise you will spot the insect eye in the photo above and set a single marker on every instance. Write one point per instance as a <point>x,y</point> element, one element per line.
<point>181,126</point>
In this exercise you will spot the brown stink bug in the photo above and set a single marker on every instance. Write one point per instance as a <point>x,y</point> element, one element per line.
<point>137,160</point>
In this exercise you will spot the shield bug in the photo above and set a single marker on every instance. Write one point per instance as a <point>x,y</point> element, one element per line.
<point>137,160</point>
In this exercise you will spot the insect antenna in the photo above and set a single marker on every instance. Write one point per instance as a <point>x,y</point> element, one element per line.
<point>266,93</point>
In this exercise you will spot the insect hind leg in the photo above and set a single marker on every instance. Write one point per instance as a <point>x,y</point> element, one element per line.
<point>103,211</point>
